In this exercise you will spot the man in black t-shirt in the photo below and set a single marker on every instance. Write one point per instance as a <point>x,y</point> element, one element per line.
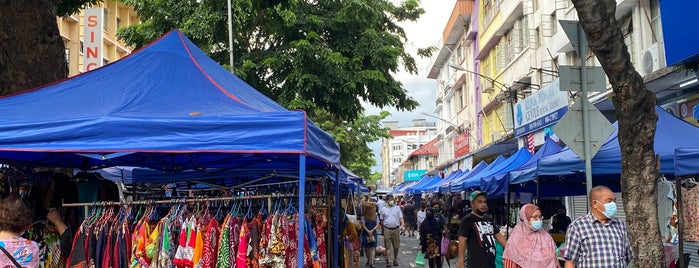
<point>478,234</point>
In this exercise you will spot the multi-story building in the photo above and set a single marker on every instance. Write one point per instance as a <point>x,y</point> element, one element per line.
<point>403,142</point>
<point>513,55</point>
<point>112,15</point>
<point>455,103</point>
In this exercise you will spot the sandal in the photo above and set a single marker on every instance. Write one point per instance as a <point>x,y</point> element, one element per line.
<point>395,263</point>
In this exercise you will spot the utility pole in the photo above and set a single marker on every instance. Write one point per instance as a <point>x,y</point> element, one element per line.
<point>230,35</point>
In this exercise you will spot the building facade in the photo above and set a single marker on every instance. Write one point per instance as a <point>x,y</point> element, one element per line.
<point>404,141</point>
<point>114,15</point>
<point>509,60</point>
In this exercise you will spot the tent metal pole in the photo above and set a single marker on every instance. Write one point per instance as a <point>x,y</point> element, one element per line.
<point>336,222</point>
<point>301,215</point>
<point>680,221</point>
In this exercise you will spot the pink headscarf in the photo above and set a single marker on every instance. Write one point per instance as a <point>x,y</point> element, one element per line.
<point>529,248</point>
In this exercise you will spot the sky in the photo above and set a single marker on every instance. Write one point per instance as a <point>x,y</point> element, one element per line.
<point>425,32</point>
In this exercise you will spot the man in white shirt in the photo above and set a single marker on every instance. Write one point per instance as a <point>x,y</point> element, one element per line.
<point>392,222</point>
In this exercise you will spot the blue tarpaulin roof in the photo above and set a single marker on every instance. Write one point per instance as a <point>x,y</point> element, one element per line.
<point>497,184</point>
<point>459,185</point>
<point>686,161</point>
<point>445,185</point>
<point>167,106</point>
<point>517,159</point>
<point>423,184</point>
<point>671,133</point>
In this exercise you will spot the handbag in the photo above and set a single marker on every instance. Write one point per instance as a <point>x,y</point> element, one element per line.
<point>444,247</point>
<point>420,259</point>
<point>353,244</point>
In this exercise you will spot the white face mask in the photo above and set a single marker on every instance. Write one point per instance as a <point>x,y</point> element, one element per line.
<point>391,203</point>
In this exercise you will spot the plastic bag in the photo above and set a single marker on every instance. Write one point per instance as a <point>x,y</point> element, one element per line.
<point>420,259</point>
<point>444,247</point>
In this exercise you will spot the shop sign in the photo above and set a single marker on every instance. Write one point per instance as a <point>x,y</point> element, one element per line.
<point>461,145</point>
<point>92,39</point>
<point>541,109</point>
<point>413,174</point>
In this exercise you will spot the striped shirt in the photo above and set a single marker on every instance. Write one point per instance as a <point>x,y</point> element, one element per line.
<point>590,243</point>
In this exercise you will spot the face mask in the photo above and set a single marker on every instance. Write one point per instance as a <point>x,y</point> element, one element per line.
<point>609,210</point>
<point>536,225</point>
<point>478,212</point>
<point>391,203</point>
<point>436,211</point>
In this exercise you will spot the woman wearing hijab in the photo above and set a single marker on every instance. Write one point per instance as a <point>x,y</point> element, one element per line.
<point>529,245</point>
<point>430,237</point>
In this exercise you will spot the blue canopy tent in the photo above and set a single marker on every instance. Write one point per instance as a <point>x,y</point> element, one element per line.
<point>458,184</point>
<point>425,183</point>
<point>686,163</point>
<point>445,185</point>
<point>435,187</point>
<point>168,107</point>
<point>514,161</point>
<point>671,133</point>
<point>497,184</point>
<point>400,189</point>
<point>564,171</point>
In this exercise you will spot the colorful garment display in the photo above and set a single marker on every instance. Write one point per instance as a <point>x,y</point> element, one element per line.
<point>196,240</point>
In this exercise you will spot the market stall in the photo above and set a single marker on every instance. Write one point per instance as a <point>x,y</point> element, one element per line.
<point>166,107</point>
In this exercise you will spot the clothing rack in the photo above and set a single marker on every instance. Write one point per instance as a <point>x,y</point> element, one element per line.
<point>186,200</point>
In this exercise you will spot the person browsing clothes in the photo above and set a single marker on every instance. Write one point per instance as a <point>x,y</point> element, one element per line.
<point>529,245</point>
<point>478,234</point>
<point>598,239</point>
<point>15,219</point>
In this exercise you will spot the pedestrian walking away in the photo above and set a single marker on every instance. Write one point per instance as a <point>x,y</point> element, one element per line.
<point>530,245</point>
<point>598,238</point>
<point>392,222</point>
<point>478,234</point>
<point>431,231</point>
<point>369,230</point>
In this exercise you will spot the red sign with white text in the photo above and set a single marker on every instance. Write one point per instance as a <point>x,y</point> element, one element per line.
<point>461,145</point>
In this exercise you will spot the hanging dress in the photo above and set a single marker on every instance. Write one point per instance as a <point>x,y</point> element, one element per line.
<point>255,235</point>
<point>291,240</point>
<point>198,246</point>
<point>264,255</point>
<point>241,258</point>
<point>233,239</point>
<point>211,237</point>
<point>224,246</point>
<point>320,239</point>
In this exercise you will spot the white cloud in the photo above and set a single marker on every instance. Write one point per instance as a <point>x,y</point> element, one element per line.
<point>425,32</point>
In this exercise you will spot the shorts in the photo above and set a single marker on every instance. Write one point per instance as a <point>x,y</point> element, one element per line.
<point>391,238</point>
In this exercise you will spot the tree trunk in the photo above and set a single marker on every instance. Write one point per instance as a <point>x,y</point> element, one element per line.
<point>635,109</point>
<point>31,48</point>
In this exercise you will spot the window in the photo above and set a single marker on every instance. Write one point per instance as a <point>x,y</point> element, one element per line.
<point>106,20</point>
<point>396,160</point>
<point>118,23</point>
<point>554,24</point>
<point>82,47</point>
<point>67,52</point>
<point>397,147</point>
<point>655,20</point>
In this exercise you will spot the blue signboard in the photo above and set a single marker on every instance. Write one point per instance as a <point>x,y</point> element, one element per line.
<point>413,175</point>
<point>543,108</point>
<point>679,31</point>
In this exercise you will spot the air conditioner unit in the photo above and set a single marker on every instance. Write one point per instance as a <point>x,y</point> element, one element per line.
<point>496,135</point>
<point>652,58</point>
<point>486,86</point>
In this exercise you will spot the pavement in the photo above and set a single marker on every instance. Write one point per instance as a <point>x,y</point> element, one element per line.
<point>409,246</point>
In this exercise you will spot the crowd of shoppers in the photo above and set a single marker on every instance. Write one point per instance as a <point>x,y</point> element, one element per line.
<point>597,239</point>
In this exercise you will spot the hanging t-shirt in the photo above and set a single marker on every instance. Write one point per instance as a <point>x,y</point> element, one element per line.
<point>480,243</point>
<point>25,252</point>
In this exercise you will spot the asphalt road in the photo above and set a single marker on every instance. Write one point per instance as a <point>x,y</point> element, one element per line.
<point>409,246</point>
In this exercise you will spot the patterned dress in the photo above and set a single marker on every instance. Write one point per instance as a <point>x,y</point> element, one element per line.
<point>224,247</point>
